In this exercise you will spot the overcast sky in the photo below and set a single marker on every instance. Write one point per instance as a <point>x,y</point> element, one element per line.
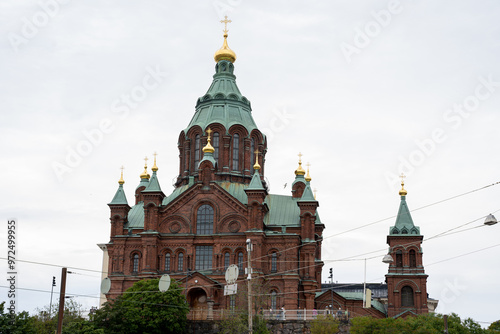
<point>364,89</point>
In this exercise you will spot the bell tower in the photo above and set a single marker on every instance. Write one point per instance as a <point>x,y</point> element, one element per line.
<point>406,279</point>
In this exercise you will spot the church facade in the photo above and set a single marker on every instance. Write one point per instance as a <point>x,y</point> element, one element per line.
<point>221,202</point>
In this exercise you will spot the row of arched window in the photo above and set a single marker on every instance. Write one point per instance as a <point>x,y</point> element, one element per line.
<point>215,142</point>
<point>412,256</point>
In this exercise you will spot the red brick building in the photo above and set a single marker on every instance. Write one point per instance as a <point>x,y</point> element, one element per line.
<point>220,200</point>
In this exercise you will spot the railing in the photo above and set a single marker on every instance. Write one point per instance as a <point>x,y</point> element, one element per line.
<point>277,315</point>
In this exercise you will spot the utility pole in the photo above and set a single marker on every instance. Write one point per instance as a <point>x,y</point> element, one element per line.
<point>51,292</point>
<point>249,278</point>
<point>364,287</point>
<point>445,317</point>
<point>61,301</point>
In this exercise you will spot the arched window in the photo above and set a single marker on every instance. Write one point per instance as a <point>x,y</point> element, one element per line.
<point>236,151</point>
<point>240,262</point>
<point>180,262</point>
<point>196,151</point>
<point>252,154</point>
<point>274,262</point>
<point>274,299</point>
<point>135,263</point>
<point>407,296</point>
<point>399,258</point>
<point>216,146</point>
<point>167,262</point>
<point>205,220</point>
<point>413,259</point>
<point>226,260</point>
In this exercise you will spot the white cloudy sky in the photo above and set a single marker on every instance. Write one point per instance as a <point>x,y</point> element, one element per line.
<point>357,116</point>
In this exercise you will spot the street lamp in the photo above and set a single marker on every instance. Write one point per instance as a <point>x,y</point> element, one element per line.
<point>388,259</point>
<point>490,220</point>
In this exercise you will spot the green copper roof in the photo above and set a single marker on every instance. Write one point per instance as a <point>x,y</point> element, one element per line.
<point>283,211</point>
<point>299,178</point>
<point>208,156</point>
<point>136,216</point>
<point>120,197</point>
<point>143,183</point>
<point>404,222</point>
<point>237,190</point>
<point>307,195</point>
<point>255,183</point>
<point>175,194</point>
<point>154,185</point>
<point>223,103</point>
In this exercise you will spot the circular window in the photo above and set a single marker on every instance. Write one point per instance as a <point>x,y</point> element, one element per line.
<point>234,226</point>
<point>175,227</point>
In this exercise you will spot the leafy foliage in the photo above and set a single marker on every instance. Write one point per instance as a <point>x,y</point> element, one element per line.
<point>144,309</point>
<point>422,324</point>
<point>20,323</point>
<point>324,325</point>
<point>495,326</point>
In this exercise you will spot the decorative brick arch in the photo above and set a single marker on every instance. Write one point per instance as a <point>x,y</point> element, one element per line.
<point>169,225</point>
<point>232,223</point>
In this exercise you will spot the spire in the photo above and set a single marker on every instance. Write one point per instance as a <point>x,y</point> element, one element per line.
<point>154,185</point>
<point>145,174</point>
<point>307,195</point>
<point>308,177</point>
<point>120,197</point>
<point>154,168</point>
<point>208,148</point>
<point>300,170</point>
<point>208,151</point>
<point>256,166</point>
<point>256,182</point>
<point>404,222</point>
<point>225,53</point>
<point>402,192</point>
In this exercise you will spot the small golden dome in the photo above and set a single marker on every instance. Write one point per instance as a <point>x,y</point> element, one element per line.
<point>121,180</point>
<point>208,148</point>
<point>154,168</point>
<point>308,177</point>
<point>403,191</point>
<point>145,174</point>
<point>300,170</point>
<point>225,53</point>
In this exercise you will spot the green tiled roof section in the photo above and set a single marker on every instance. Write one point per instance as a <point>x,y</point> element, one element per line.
<point>154,185</point>
<point>120,197</point>
<point>207,156</point>
<point>299,178</point>
<point>223,103</point>
<point>307,195</point>
<point>318,220</point>
<point>283,211</point>
<point>351,295</point>
<point>136,216</point>
<point>378,306</point>
<point>237,190</point>
<point>404,222</point>
<point>255,183</point>
<point>143,183</point>
<point>175,194</point>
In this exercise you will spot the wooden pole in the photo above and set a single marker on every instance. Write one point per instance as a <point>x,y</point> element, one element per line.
<point>249,282</point>
<point>61,301</point>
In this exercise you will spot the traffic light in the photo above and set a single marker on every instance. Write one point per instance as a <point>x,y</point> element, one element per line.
<point>53,281</point>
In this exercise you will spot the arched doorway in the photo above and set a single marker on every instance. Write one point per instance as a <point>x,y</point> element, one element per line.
<point>197,298</point>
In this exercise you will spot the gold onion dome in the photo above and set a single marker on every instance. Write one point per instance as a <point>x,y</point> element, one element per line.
<point>154,168</point>
<point>403,191</point>
<point>145,174</point>
<point>121,180</point>
<point>308,177</point>
<point>208,148</point>
<point>300,170</point>
<point>225,53</point>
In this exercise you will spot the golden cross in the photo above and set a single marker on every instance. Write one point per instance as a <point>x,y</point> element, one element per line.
<point>308,165</point>
<point>256,152</point>
<point>225,21</point>
<point>209,131</point>
<point>155,154</point>
<point>122,168</point>
<point>146,160</point>
<point>300,157</point>
<point>315,191</point>
<point>402,176</point>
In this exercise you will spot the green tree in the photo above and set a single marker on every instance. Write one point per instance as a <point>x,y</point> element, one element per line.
<point>495,326</point>
<point>20,323</point>
<point>144,309</point>
<point>45,318</point>
<point>324,324</point>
